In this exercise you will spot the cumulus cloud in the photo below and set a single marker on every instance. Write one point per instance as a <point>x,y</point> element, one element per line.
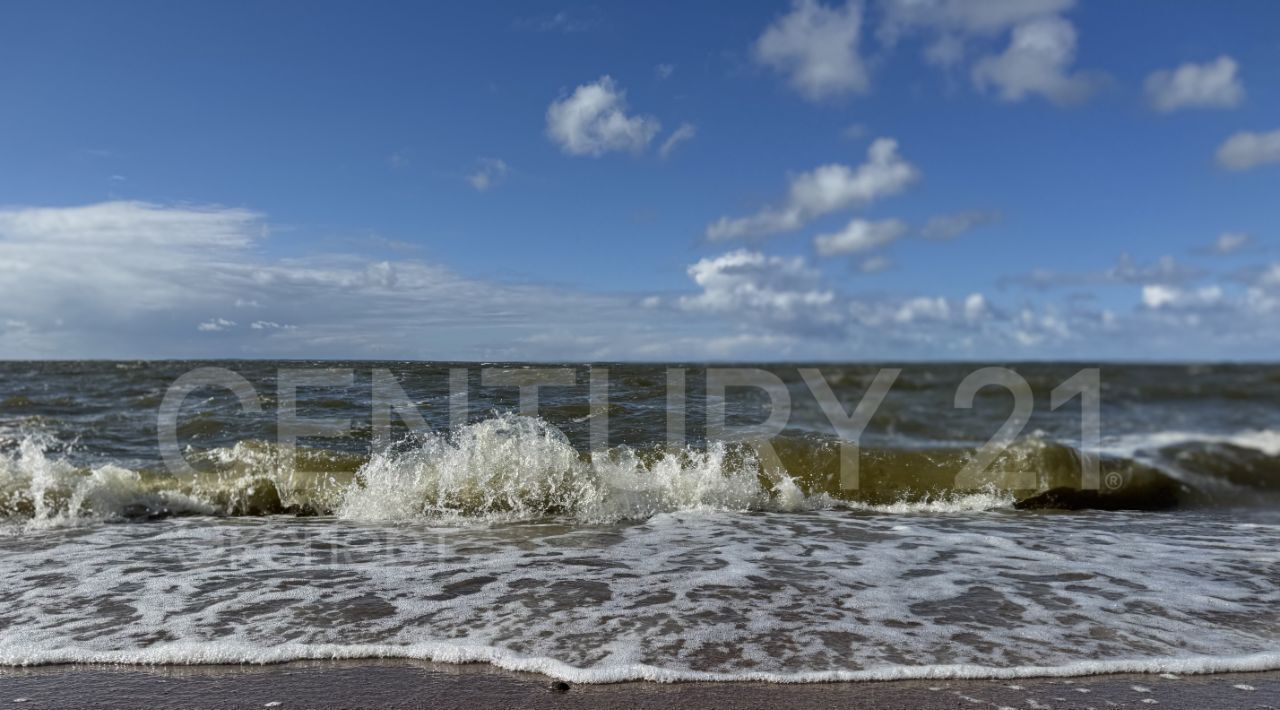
<point>785,295</point>
<point>816,47</point>
<point>1231,242</point>
<point>975,307</point>
<point>136,279</point>
<point>685,132</point>
<point>131,279</point>
<point>664,71</point>
<point>966,16</point>
<point>490,173</point>
<point>1127,270</point>
<point>1270,277</point>
<point>953,21</point>
<point>1037,61</point>
<point>826,189</point>
<point>1210,85</point>
<point>214,325</point>
<point>593,120</point>
<point>951,226</point>
<point>771,295</point>
<point>1031,329</point>
<point>1156,296</point>
<point>270,325</point>
<point>855,131</point>
<point>858,236</point>
<point>1165,270</point>
<point>875,264</point>
<point>773,287</point>
<point>1245,150</point>
<point>923,308</point>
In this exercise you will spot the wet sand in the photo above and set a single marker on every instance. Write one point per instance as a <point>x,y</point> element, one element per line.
<point>407,684</point>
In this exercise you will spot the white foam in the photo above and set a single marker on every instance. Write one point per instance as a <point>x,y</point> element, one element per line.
<point>507,468</point>
<point>1266,441</point>
<point>57,493</point>
<point>503,469</point>
<point>990,499</point>
<point>521,468</point>
<point>822,596</point>
<point>183,653</point>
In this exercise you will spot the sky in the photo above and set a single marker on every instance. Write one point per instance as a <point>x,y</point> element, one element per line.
<point>805,180</point>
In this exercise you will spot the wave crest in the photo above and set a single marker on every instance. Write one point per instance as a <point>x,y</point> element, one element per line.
<point>518,468</point>
<point>511,467</point>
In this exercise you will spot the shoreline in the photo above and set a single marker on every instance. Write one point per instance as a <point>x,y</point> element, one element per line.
<point>398,683</point>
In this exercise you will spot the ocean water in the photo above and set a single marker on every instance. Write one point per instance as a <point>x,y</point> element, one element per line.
<point>476,528</point>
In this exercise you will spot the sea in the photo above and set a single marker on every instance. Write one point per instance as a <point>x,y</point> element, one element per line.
<point>607,522</point>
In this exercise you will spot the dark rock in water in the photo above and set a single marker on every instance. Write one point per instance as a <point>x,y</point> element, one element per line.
<point>1061,499</point>
<point>559,686</point>
<point>141,512</point>
<point>1155,498</point>
<point>259,497</point>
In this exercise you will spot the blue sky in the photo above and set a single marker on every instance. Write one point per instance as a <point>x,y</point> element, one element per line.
<point>892,179</point>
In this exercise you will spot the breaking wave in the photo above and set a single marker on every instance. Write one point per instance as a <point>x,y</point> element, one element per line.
<point>510,468</point>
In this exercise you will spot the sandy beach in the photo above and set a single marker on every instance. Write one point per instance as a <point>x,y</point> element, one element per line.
<point>404,684</point>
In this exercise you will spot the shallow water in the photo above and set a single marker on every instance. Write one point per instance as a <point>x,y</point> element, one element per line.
<point>506,542</point>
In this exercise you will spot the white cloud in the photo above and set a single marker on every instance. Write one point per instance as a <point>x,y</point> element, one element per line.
<point>1246,150</point>
<point>1231,242</point>
<point>858,236</point>
<point>126,279</point>
<point>855,131</point>
<point>270,325</point>
<point>593,121</point>
<point>923,308</point>
<point>886,316</point>
<point>130,280</point>
<point>951,226</point>
<point>954,21</point>
<point>1271,276</point>
<point>1031,329</point>
<point>816,46</point>
<point>975,307</point>
<point>1037,61</point>
<point>774,287</point>
<point>826,189</point>
<point>987,17</point>
<point>1156,296</point>
<point>685,132</point>
<point>109,225</point>
<point>1165,270</point>
<point>1259,301</point>
<point>664,71</point>
<point>492,172</point>
<point>875,264</point>
<point>785,294</point>
<point>1210,85</point>
<point>214,325</point>
<point>946,50</point>
<point>134,280</point>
